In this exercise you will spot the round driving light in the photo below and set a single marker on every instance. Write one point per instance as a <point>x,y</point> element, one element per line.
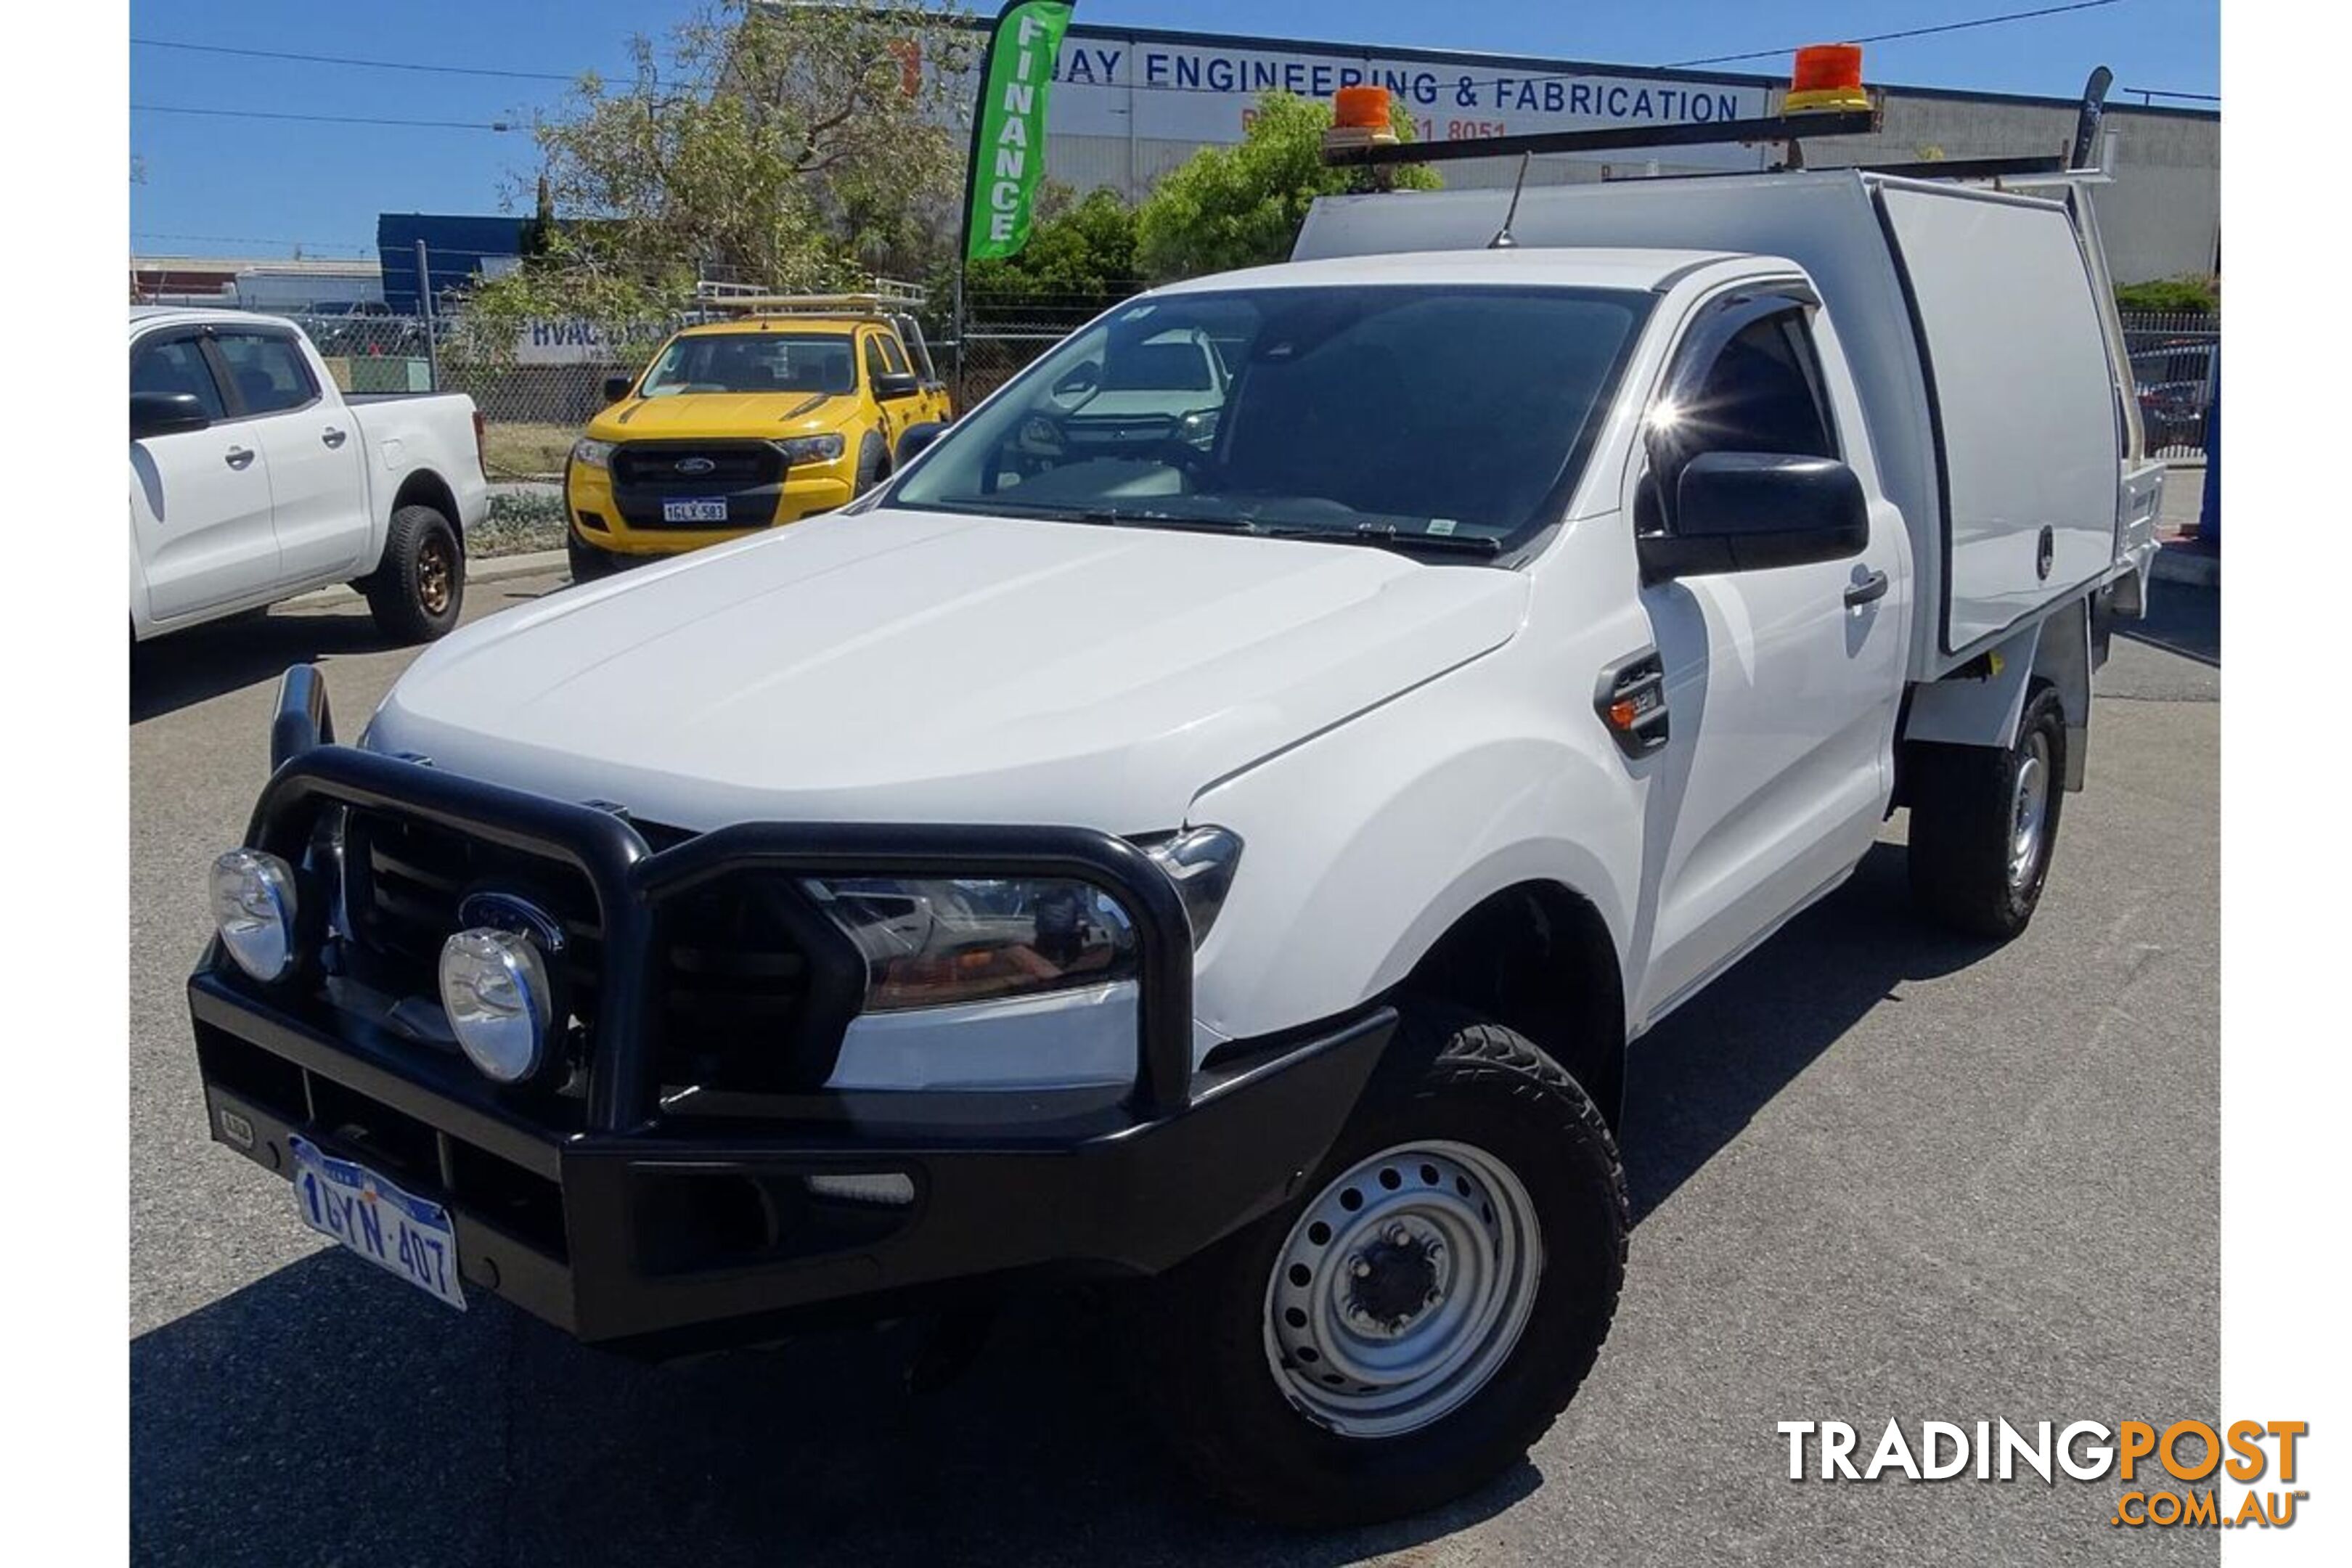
<point>253,906</point>
<point>494,985</point>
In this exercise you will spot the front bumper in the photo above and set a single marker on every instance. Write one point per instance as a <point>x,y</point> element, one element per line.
<point>674,1242</point>
<point>620,1219</point>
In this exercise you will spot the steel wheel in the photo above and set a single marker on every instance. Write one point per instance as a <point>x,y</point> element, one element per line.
<point>435,572</point>
<point>2028,810</point>
<point>1402,1287</point>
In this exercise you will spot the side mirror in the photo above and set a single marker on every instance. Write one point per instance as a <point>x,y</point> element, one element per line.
<point>1086,378</point>
<point>1744,511</point>
<point>888,388</point>
<point>617,387</point>
<point>165,413</point>
<point>914,440</point>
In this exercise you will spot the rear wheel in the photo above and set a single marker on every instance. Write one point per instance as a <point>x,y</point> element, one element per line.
<point>1984,822</point>
<point>417,591</point>
<point>1403,1330</point>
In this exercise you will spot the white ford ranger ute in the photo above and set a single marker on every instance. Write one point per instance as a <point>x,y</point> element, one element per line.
<point>1234,863</point>
<point>254,478</point>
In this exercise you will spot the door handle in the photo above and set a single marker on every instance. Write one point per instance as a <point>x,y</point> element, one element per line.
<point>238,456</point>
<point>331,436</point>
<point>1866,590</point>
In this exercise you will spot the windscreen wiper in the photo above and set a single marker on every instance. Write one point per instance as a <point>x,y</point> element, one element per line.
<point>1190,522</point>
<point>1388,536</point>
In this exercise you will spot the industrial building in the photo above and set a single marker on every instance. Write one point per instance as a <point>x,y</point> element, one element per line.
<point>1131,103</point>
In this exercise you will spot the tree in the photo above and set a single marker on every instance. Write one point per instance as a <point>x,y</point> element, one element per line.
<point>1241,205</point>
<point>2170,296</point>
<point>789,147</point>
<point>1077,247</point>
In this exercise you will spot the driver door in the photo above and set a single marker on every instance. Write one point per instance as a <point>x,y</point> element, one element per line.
<point>1782,682</point>
<point>199,502</point>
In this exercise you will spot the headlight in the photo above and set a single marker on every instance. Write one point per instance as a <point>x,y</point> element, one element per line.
<point>591,454</point>
<point>253,906</point>
<point>1201,862</point>
<point>814,448</point>
<point>494,984</point>
<point>928,942</point>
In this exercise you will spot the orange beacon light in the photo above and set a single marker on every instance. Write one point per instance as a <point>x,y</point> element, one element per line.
<point>1828,77</point>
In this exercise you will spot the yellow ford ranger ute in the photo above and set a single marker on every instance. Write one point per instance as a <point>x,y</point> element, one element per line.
<point>745,424</point>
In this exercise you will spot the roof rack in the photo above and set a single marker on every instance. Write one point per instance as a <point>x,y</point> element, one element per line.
<point>886,296</point>
<point>1856,111</point>
<point>1786,128</point>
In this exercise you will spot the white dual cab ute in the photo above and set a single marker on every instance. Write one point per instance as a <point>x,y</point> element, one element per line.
<point>254,477</point>
<point>1234,863</point>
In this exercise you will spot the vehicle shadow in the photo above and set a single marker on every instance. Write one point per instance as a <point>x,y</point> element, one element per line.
<point>323,1413</point>
<point>1699,1077</point>
<point>2181,619</point>
<point>191,667</point>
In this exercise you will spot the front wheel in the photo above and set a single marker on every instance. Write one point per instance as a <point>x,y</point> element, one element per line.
<point>1403,1330</point>
<point>587,561</point>
<point>872,465</point>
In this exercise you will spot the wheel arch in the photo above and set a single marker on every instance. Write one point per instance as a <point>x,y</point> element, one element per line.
<point>1981,704</point>
<point>1539,957</point>
<point>424,488</point>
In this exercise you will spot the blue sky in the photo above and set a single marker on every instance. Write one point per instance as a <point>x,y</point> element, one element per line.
<point>255,187</point>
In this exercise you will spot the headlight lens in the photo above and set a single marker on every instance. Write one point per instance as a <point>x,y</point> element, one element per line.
<point>591,454</point>
<point>494,984</point>
<point>930,942</point>
<point>1201,862</point>
<point>253,906</point>
<point>814,448</point>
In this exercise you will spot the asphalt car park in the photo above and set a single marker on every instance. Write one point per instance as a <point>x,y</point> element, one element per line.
<point>1877,1173</point>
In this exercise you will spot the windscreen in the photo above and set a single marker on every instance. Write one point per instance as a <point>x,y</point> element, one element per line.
<point>754,361</point>
<point>1406,412</point>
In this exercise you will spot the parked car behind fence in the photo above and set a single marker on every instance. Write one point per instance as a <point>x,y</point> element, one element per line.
<point>2172,361</point>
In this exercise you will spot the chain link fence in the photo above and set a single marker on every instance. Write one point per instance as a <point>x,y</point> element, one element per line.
<point>2174,361</point>
<point>1004,330</point>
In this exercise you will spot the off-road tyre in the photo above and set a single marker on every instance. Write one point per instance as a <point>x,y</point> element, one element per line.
<point>873,464</point>
<point>588,562</point>
<point>1207,1373</point>
<point>419,589</point>
<point>1966,808</point>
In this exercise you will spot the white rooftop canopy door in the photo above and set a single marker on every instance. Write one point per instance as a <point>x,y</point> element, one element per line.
<point>2023,387</point>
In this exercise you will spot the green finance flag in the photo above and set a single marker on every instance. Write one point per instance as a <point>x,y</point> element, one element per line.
<point>1008,133</point>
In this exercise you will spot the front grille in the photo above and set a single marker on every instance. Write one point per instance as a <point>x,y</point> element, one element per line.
<point>734,465</point>
<point>406,880</point>
<point>734,989</point>
<point>732,982</point>
<point>1113,430</point>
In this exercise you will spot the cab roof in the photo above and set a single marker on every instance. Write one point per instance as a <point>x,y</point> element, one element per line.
<point>1588,268</point>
